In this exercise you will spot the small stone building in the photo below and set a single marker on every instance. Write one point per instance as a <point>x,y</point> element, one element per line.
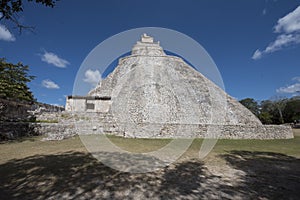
<point>88,104</point>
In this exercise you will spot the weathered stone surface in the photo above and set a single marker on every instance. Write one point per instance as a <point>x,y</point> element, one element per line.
<point>13,130</point>
<point>150,86</point>
<point>16,117</point>
<point>55,131</point>
<point>12,110</point>
<point>154,95</point>
<point>100,123</point>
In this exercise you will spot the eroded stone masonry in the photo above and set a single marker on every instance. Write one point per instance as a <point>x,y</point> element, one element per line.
<point>154,95</point>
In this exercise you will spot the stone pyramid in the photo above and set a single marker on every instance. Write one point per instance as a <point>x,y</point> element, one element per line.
<point>158,95</point>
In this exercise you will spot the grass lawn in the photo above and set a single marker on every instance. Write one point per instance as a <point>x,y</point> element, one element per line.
<point>235,169</point>
<point>34,146</point>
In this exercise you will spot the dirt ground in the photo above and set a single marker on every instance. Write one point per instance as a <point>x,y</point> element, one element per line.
<point>75,174</point>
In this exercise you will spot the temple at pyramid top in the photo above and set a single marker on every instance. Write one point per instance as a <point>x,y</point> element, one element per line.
<point>147,39</point>
<point>147,47</point>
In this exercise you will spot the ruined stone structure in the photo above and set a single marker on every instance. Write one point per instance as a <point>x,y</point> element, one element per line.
<point>154,95</point>
<point>17,118</point>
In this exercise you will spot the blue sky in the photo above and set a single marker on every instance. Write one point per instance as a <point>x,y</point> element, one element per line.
<point>254,43</point>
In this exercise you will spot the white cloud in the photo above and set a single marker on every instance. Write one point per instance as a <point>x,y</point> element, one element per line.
<point>283,41</point>
<point>294,88</point>
<point>53,59</point>
<point>289,29</point>
<point>296,78</point>
<point>257,55</point>
<point>6,35</point>
<point>289,89</point>
<point>49,84</point>
<point>264,12</point>
<point>57,105</point>
<point>289,23</point>
<point>92,77</point>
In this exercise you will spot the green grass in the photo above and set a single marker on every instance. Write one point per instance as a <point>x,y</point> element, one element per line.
<point>138,145</point>
<point>285,146</point>
<point>35,169</point>
<point>47,121</point>
<point>34,146</point>
<point>25,147</point>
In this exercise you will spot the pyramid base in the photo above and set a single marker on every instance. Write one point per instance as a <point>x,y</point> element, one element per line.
<point>262,132</point>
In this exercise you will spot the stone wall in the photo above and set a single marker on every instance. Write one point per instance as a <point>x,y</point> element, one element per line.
<point>20,111</point>
<point>16,117</point>
<point>55,131</point>
<point>14,130</point>
<point>39,107</point>
<point>14,110</point>
<point>100,123</point>
<point>226,131</point>
<point>70,124</point>
<point>193,131</point>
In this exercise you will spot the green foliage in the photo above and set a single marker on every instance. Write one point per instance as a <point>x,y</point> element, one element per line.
<point>267,112</point>
<point>251,104</point>
<point>279,104</point>
<point>265,118</point>
<point>10,8</point>
<point>47,121</point>
<point>276,111</point>
<point>292,109</point>
<point>66,116</point>
<point>13,81</point>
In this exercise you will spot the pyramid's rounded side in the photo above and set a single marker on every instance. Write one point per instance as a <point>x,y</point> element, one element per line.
<point>166,98</point>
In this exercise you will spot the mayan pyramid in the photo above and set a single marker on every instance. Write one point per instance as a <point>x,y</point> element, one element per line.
<point>158,95</point>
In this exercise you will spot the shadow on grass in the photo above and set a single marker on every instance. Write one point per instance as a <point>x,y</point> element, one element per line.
<point>21,139</point>
<point>267,175</point>
<point>75,175</point>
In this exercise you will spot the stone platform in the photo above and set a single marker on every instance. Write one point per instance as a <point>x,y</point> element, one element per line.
<point>100,123</point>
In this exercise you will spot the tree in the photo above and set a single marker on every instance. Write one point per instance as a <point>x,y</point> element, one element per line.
<point>267,111</point>
<point>9,10</point>
<point>13,81</point>
<point>292,110</point>
<point>278,110</point>
<point>265,118</point>
<point>280,103</point>
<point>251,104</point>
